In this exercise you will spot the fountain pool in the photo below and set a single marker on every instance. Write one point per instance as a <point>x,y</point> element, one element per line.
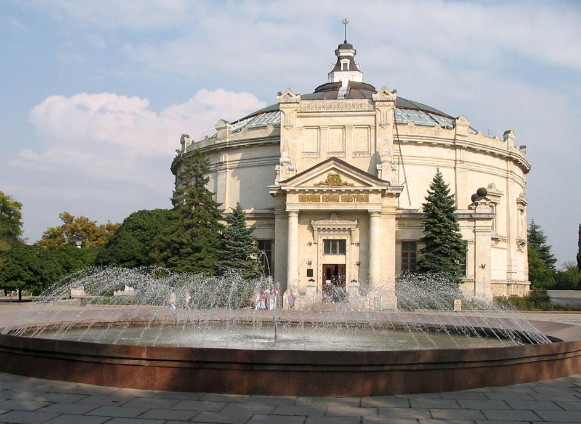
<point>215,342</point>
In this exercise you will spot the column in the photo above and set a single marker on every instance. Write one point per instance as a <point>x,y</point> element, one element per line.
<point>374,247</point>
<point>293,248</point>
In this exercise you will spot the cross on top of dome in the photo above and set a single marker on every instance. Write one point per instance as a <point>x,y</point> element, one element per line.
<point>345,68</point>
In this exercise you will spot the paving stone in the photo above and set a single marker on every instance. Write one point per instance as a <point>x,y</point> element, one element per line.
<point>179,395</point>
<point>311,411</point>
<point>334,401</point>
<point>333,420</point>
<point>465,394</point>
<point>76,419</point>
<point>384,402</point>
<point>560,416</point>
<point>414,413</point>
<point>274,400</point>
<point>482,404</point>
<point>457,414</point>
<point>218,397</point>
<point>566,396</point>
<point>117,411</point>
<point>22,404</point>
<point>27,417</point>
<point>511,396</point>
<point>434,403</point>
<point>569,406</point>
<point>500,422</point>
<point>150,403</point>
<point>134,421</point>
<point>384,420</point>
<point>58,397</point>
<point>199,405</point>
<point>447,421</point>
<point>546,405</point>
<point>421,395</point>
<point>69,408</point>
<point>168,414</point>
<point>248,408</point>
<point>510,415</point>
<point>276,419</point>
<point>104,400</point>
<point>216,417</point>
<point>350,411</point>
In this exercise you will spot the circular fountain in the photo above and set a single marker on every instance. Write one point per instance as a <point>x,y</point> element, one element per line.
<point>152,329</point>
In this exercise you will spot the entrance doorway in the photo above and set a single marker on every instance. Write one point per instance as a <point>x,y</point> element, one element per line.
<point>334,282</point>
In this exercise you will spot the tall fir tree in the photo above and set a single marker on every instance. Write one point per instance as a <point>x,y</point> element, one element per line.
<point>536,237</point>
<point>238,250</point>
<point>541,260</point>
<point>579,250</point>
<point>444,252</point>
<point>192,244</point>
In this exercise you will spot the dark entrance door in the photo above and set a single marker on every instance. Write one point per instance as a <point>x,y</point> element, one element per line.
<point>334,282</point>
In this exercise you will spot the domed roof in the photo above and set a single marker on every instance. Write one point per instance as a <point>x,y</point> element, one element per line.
<point>406,110</point>
<point>347,83</point>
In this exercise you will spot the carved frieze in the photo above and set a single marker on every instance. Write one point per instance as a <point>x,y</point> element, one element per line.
<point>333,180</point>
<point>334,106</point>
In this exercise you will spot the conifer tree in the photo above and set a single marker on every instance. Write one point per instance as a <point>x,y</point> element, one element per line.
<point>192,244</point>
<point>536,237</point>
<point>238,251</point>
<point>445,251</point>
<point>541,260</point>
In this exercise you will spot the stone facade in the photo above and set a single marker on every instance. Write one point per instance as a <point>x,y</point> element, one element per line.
<point>334,183</point>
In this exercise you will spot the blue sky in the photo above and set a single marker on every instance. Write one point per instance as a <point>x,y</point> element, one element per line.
<point>94,95</point>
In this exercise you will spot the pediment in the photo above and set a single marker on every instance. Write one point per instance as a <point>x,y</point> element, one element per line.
<point>333,174</point>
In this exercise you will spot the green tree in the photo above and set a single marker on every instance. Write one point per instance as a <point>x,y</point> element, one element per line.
<point>77,229</point>
<point>33,268</point>
<point>10,221</point>
<point>579,250</point>
<point>536,237</point>
<point>540,275</point>
<point>132,244</point>
<point>569,278</point>
<point>444,252</point>
<point>192,244</point>
<point>238,250</point>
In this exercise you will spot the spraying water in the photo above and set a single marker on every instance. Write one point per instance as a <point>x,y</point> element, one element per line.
<point>154,306</point>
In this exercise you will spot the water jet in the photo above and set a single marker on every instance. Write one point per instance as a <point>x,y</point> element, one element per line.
<point>121,341</point>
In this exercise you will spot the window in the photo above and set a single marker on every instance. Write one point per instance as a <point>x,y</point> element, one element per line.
<point>266,247</point>
<point>335,247</point>
<point>408,256</point>
<point>345,65</point>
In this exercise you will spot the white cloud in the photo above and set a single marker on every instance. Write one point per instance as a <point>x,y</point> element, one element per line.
<point>126,14</point>
<point>107,136</point>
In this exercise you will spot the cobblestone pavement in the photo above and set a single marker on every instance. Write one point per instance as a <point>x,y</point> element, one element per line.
<point>29,400</point>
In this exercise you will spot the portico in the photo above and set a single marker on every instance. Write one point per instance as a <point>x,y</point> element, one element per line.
<point>338,221</point>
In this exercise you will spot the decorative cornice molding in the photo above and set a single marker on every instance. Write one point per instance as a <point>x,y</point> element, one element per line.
<point>336,105</point>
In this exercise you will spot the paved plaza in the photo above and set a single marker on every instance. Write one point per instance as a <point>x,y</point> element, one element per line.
<point>29,400</point>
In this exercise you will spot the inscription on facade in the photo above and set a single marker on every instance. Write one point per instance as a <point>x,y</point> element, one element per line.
<point>334,198</point>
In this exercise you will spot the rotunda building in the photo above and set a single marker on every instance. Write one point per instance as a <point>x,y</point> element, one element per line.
<point>334,182</point>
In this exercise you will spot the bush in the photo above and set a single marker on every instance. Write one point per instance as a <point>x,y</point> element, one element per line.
<point>537,299</point>
<point>569,279</point>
